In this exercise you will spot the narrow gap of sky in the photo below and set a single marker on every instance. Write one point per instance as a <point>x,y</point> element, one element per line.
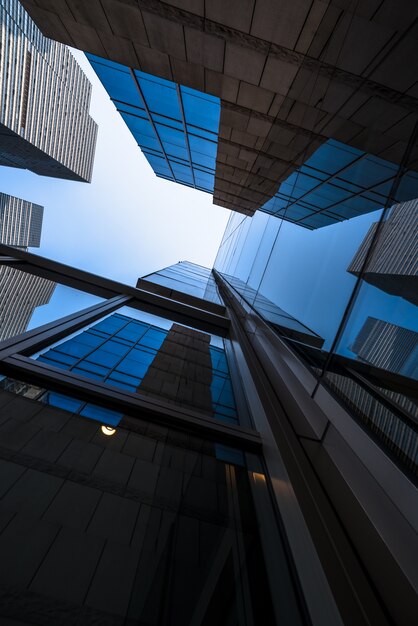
<point>127,222</point>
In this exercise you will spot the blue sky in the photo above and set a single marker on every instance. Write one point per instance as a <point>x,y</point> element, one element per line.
<point>127,222</point>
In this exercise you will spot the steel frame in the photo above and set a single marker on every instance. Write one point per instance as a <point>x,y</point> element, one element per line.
<point>294,429</point>
<point>181,312</point>
<point>15,361</point>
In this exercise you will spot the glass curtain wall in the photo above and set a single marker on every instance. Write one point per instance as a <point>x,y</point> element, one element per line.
<point>177,364</point>
<point>177,517</point>
<point>366,319</point>
<point>176,127</point>
<point>353,282</point>
<point>186,278</point>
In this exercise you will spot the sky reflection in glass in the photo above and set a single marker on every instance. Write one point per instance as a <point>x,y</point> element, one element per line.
<point>338,182</point>
<point>175,127</point>
<point>188,278</point>
<point>119,350</point>
<point>306,274</point>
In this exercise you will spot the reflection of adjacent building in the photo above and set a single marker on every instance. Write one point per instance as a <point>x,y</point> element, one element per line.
<point>45,124</point>
<point>393,264</point>
<point>178,365</point>
<point>388,347</point>
<point>209,416</point>
<point>20,293</point>
<point>379,417</point>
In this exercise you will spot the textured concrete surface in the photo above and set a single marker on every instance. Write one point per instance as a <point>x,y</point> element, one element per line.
<point>290,75</point>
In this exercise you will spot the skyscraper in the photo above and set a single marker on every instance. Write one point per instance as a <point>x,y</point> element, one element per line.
<point>45,124</point>
<point>299,112</point>
<point>20,293</point>
<point>175,459</point>
<point>388,346</point>
<point>20,222</point>
<point>393,264</point>
<point>203,448</point>
<point>184,135</point>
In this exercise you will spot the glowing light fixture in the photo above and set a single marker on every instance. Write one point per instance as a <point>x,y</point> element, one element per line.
<point>108,430</point>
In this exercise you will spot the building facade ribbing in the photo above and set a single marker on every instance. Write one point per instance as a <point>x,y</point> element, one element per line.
<point>45,124</point>
<point>393,263</point>
<point>20,293</point>
<point>20,222</point>
<point>388,347</point>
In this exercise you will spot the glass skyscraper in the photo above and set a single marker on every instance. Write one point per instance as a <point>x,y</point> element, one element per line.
<point>235,445</point>
<point>45,124</point>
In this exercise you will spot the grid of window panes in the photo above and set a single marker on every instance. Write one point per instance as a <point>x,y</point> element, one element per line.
<point>44,98</point>
<point>336,183</point>
<point>188,278</point>
<point>119,350</point>
<point>175,127</point>
<point>285,323</point>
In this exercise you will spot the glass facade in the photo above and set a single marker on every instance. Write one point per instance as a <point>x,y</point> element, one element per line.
<point>353,285</point>
<point>287,325</point>
<point>140,357</point>
<point>260,459</point>
<point>338,182</point>
<point>187,278</point>
<point>176,127</point>
<point>185,509</point>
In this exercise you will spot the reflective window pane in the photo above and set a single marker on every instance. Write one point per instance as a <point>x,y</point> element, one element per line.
<point>175,126</point>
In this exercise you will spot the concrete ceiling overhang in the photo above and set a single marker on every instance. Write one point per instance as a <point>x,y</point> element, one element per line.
<point>290,74</point>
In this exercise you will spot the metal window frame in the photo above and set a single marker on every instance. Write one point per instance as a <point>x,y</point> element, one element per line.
<point>169,308</point>
<point>15,362</point>
<point>293,426</point>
